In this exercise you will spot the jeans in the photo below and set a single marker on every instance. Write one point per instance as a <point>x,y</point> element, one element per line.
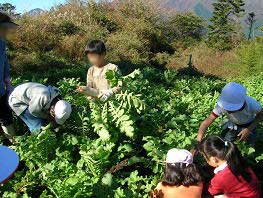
<point>33,123</point>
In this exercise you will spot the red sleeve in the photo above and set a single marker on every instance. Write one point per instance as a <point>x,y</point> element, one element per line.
<point>215,186</point>
<point>214,114</point>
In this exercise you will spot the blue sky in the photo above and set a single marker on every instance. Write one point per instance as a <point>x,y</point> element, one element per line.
<point>27,5</point>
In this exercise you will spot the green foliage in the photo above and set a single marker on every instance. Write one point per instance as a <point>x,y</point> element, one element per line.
<point>223,27</point>
<point>9,9</point>
<point>250,60</point>
<point>185,29</point>
<point>117,148</point>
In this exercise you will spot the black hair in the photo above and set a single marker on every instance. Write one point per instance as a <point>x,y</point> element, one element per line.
<point>95,47</point>
<point>214,146</point>
<point>178,174</point>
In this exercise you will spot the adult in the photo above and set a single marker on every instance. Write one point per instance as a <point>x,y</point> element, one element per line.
<point>37,104</point>
<point>6,121</point>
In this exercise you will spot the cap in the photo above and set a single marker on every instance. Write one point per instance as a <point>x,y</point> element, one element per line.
<point>9,161</point>
<point>6,21</point>
<point>233,97</point>
<point>62,111</point>
<point>179,156</point>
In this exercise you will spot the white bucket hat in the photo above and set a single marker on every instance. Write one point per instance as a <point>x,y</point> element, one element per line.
<point>9,161</point>
<point>233,97</point>
<point>62,111</point>
<point>179,156</point>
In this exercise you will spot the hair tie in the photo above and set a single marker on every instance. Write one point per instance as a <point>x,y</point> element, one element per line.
<point>226,143</point>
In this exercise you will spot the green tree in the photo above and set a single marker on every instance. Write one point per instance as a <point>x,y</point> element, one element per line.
<point>224,23</point>
<point>185,29</point>
<point>8,8</point>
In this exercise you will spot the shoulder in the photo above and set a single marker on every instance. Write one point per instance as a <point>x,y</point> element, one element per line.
<point>2,45</point>
<point>159,186</point>
<point>112,66</point>
<point>218,111</point>
<point>2,42</point>
<point>253,104</point>
<point>90,70</point>
<point>223,175</point>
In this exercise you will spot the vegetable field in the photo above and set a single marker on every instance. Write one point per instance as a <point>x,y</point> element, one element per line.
<point>116,149</point>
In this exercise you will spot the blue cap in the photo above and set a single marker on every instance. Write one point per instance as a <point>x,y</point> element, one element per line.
<point>9,161</point>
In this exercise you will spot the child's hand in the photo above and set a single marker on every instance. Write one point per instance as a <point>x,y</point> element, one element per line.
<point>81,89</point>
<point>244,134</point>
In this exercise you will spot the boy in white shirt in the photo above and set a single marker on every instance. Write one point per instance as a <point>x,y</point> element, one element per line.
<point>97,84</point>
<point>243,113</point>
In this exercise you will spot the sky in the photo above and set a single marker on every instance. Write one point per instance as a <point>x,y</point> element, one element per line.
<point>27,5</point>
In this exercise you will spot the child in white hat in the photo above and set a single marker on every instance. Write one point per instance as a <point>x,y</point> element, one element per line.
<point>37,104</point>
<point>181,177</point>
<point>243,113</point>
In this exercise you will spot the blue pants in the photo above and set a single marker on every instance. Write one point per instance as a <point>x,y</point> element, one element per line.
<point>231,135</point>
<point>33,123</point>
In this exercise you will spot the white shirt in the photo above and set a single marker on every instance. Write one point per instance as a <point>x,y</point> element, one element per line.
<point>220,168</point>
<point>247,115</point>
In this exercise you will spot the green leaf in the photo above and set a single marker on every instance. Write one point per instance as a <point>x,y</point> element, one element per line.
<point>107,179</point>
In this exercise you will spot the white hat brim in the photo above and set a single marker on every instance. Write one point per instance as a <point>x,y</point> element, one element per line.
<point>59,121</point>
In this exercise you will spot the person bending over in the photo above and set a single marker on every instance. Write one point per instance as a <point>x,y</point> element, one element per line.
<point>37,104</point>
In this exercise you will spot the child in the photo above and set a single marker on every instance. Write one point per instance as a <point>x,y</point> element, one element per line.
<point>6,121</point>
<point>97,84</point>
<point>181,178</point>
<point>233,178</point>
<point>243,113</point>
<point>37,104</point>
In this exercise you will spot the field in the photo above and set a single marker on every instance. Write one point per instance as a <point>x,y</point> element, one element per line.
<point>117,149</point>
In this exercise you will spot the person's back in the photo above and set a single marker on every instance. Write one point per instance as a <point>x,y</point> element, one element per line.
<point>35,96</point>
<point>168,191</point>
<point>233,186</point>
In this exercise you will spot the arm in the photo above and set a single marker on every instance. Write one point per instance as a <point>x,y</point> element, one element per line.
<point>7,74</point>
<point>204,126</point>
<point>259,118</point>
<point>216,187</point>
<point>89,90</point>
<point>244,134</point>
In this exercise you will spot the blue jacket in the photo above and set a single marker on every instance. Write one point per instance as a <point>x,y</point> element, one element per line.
<point>4,67</point>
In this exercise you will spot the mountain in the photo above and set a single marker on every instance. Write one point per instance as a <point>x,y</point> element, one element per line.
<point>207,7</point>
<point>204,8</point>
<point>35,12</point>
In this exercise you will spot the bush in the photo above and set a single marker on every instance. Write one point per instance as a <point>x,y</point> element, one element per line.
<point>250,59</point>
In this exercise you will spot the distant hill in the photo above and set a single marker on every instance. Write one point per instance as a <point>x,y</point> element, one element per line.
<point>36,11</point>
<point>204,8</point>
<point>206,5</point>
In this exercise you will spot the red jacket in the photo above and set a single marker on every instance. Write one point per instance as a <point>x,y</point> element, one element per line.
<point>225,182</point>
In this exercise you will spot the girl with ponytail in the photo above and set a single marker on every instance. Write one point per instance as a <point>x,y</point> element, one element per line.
<point>233,177</point>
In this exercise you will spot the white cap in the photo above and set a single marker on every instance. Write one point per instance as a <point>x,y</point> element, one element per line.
<point>62,111</point>
<point>179,156</point>
<point>233,97</point>
<point>9,161</point>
